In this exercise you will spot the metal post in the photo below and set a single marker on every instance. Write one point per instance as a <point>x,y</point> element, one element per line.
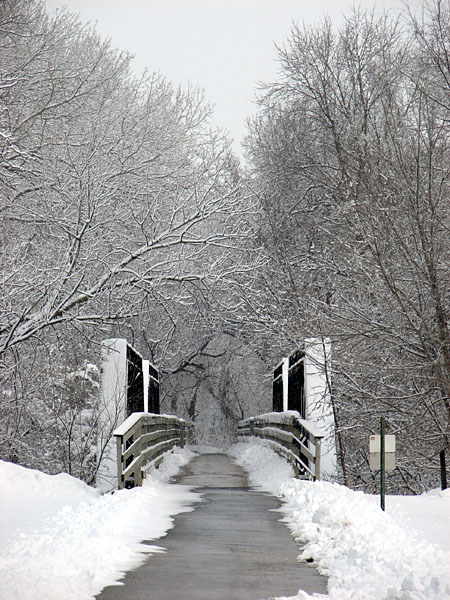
<point>285,378</point>
<point>146,382</point>
<point>443,470</point>
<point>382,465</point>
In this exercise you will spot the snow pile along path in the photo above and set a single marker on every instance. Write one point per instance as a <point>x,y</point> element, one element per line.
<point>367,553</point>
<point>60,538</point>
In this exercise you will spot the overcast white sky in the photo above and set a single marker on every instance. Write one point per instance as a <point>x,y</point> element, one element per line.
<point>224,46</point>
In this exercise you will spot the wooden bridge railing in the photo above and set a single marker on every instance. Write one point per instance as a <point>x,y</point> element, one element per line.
<point>296,439</point>
<point>144,438</point>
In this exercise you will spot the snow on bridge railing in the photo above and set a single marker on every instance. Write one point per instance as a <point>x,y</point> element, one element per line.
<point>296,439</point>
<point>144,438</point>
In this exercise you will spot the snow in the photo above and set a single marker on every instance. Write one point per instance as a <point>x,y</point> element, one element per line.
<point>59,538</point>
<point>368,554</point>
<point>285,417</point>
<point>276,417</point>
<point>29,497</point>
<point>130,421</point>
<point>429,518</point>
<point>203,449</point>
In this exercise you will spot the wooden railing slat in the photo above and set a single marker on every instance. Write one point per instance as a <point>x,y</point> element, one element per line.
<point>285,431</point>
<point>151,436</point>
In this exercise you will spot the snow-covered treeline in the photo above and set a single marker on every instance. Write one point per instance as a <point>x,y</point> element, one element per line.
<point>350,155</point>
<point>124,214</point>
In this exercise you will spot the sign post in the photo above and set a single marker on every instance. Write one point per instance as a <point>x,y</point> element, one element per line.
<point>382,465</point>
<point>382,457</point>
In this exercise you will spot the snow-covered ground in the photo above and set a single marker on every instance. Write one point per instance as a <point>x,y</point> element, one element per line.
<point>60,539</point>
<point>368,554</point>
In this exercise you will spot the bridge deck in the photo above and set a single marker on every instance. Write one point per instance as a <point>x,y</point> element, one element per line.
<point>232,547</point>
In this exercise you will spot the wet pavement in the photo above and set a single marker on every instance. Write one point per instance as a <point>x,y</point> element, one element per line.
<point>231,547</point>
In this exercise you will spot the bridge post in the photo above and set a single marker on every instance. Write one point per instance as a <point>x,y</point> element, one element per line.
<point>317,458</point>
<point>144,438</point>
<point>182,434</point>
<point>138,476</point>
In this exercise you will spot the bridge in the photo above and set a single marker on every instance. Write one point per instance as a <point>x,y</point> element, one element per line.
<point>232,546</point>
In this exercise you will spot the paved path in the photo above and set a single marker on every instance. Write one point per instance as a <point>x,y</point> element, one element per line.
<point>231,547</point>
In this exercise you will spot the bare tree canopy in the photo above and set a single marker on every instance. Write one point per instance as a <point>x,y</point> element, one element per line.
<point>351,160</point>
<point>120,206</point>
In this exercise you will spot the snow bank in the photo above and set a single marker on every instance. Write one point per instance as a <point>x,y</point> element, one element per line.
<point>368,554</point>
<point>427,515</point>
<point>28,498</point>
<point>62,539</point>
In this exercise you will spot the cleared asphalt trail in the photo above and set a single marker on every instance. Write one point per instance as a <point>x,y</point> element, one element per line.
<point>231,547</point>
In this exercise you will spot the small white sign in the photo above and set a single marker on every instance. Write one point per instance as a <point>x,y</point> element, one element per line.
<point>375,461</point>
<point>389,443</point>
